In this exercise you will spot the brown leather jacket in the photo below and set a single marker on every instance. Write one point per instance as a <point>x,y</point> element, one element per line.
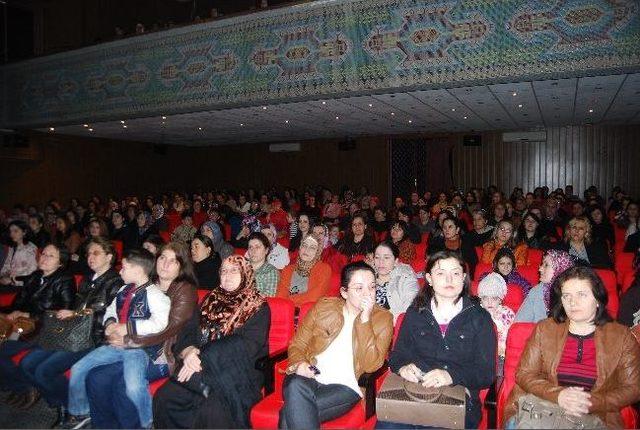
<point>617,361</point>
<point>322,325</point>
<point>184,301</point>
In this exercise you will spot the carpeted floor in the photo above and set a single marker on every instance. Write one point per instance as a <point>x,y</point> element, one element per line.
<point>40,416</point>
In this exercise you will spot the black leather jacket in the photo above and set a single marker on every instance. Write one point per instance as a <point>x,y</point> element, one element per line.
<point>97,295</point>
<point>45,293</point>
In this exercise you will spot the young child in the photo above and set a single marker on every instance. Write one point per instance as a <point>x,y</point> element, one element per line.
<point>504,263</point>
<point>334,234</point>
<point>185,231</point>
<point>492,290</point>
<point>140,307</point>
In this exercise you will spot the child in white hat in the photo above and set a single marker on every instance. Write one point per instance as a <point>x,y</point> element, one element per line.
<point>492,290</point>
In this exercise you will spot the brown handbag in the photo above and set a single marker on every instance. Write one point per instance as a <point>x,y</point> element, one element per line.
<point>537,413</point>
<point>20,327</point>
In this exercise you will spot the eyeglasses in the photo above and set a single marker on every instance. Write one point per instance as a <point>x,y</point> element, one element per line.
<point>361,289</point>
<point>234,271</point>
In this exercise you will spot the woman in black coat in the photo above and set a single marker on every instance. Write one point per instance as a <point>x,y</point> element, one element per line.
<point>580,244</point>
<point>452,240</point>
<point>447,338</point>
<point>217,384</point>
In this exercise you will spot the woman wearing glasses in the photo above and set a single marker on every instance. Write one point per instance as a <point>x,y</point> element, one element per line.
<point>338,340</point>
<point>504,235</point>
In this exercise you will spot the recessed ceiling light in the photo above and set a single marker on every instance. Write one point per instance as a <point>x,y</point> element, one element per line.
<point>286,121</point>
<point>410,121</point>
<point>453,109</point>
<point>337,117</point>
<point>164,117</point>
<point>520,106</point>
<point>590,110</point>
<point>370,104</point>
<point>90,129</point>
<point>241,124</point>
<point>85,125</point>
<point>121,121</point>
<point>124,126</point>
<point>324,103</point>
<point>393,113</point>
<point>264,108</point>
<point>514,94</point>
<point>52,129</point>
<point>200,128</point>
<point>464,117</point>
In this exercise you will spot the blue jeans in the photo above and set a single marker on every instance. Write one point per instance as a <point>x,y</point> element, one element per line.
<point>45,369</point>
<point>111,408</point>
<point>307,403</point>
<point>11,377</point>
<point>134,362</point>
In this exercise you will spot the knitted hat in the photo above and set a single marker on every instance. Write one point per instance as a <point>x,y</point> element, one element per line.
<point>492,285</point>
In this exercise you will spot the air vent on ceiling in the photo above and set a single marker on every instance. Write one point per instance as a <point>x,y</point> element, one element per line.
<point>525,136</point>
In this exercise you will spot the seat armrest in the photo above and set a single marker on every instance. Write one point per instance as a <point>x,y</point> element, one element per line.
<point>368,382</point>
<point>267,366</point>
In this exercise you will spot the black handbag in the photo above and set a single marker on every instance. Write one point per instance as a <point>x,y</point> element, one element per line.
<point>71,334</point>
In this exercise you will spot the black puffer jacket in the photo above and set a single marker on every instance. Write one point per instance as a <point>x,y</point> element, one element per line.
<point>45,293</point>
<point>97,295</point>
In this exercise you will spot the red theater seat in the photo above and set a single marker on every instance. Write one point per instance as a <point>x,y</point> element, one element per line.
<point>624,265</point>
<point>609,279</point>
<point>118,246</point>
<point>166,236</point>
<point>6,299</point>
<point>534,257</point>
<point>530,273</point>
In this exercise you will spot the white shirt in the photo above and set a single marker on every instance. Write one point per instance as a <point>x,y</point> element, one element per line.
<point>278,257</point>
<point>336,362</point>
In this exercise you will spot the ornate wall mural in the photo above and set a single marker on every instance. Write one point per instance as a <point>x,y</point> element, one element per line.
<point>323,49</point>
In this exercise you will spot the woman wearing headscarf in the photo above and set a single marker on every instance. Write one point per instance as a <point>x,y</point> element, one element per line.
<point>308,278</point>
<point>217,382</point>
<point>536,306</point>
<point>212,230</point>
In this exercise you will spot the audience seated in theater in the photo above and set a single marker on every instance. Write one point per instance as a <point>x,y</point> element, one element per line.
<point>601,227</point>
<point>153,243</point>
<point>504,264</point>
<point>332,210</point>
<point>632,243</point>
<point>159,219</point>
<point>380,224</point>
<point>504,235</point>
<point>109,404</point>
<point>278,255</point>
<point>37,233</point>
<point>396,283</point>
<point>553,218</point>
<point>330,254</point>
<point>185,231</point>
<point>453,240</point>
<point>308,278</point>
<point>424,223</point>
<point>446,337</point>
<point>212,230</point>
<point>631,218</point>
<point>199,216</point>
<point>580,243</point>
<point>399,235</point>
<point>21,258</point>
<point>358,241</point>
<point>302,228</point>
<point>142,229</point>
<point>537,304</point>
<point>118,229</point>
<point>206,262</point>
<point>492,290</point>
<point>218,383</point>
<point>45,368</point>
<point>50,288</point>
<point>95,228</point>
<point>338,340</point>
<point>443,202</point>
<point>579,358</point>
<point>278,218</point>
<point>530,232</point>
<point>124,317</point>
<point>498,213</point>
<point>629,313</point>
<point>266,275</point>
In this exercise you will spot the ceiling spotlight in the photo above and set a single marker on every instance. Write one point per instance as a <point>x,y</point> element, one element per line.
<point>241,124</point>
<point>90,129</point>
<point>124,126</point>
<point>370,104</point>
<point>163,123</point>
<point>52,129</point>
<point>464,117</point>
<point>324,103</point>
<point>520,106</point>
<point>410,121</point>
<point>264,108</point>
<point>393,113</point>
<point>337,117</point>
<point>590,110</point>
<point>200,128</point>
<point>164,117</point>
<point>514,94</point>
<point>453,109</point>
<point>286,121</point>
<point>85,125</point>
<point>121,121</point>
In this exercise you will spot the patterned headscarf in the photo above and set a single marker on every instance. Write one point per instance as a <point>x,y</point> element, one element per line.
<point>148,220</point>
<point>561,261</point>
<point>304,267</point>
<point>217,234</point>
<point>157,211</point>
<point>223,312</point>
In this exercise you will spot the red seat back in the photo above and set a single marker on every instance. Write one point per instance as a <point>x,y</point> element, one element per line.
<point>479,252</point>
<point>227,232</point>
<point>334,285</point>
<point>166,236</point>
<point>421,250</point>
<point>517,338</point>
<point>530,273</point>
<point>396,329</point>
<point>281,329</point>
<point>481,269</point>
<point>202,293</point>
<point>624,265</point>
<point>304,309</point>
<point>534,257</point>
<point>514,297</point>
<point>118,246</point>
<point>78,280</point>
<point>609,279</point>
